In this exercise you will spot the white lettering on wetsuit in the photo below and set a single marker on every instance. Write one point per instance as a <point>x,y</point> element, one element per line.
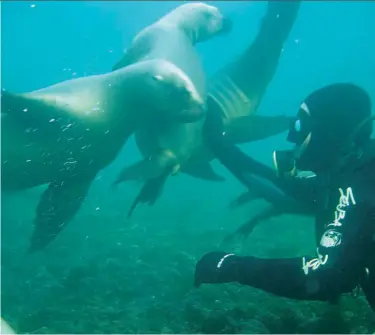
<point>331,237</point>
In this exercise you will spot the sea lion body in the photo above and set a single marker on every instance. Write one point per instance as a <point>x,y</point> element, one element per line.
<point>170,145</point>
<point>236,91</point>
<point>64,134</point>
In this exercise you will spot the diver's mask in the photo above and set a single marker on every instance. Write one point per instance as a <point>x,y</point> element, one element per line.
<point>331,129</point>
<point>308,154</point>
<point>287,162</point>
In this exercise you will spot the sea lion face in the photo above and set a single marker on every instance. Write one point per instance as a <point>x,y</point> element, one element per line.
<point>205,21</point>
<point>174,95</point>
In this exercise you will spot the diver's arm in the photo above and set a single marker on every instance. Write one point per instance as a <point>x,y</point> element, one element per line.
<point>335,270</point>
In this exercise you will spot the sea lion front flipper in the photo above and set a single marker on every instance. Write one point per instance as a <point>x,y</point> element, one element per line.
<point>255,68</point>
<point>127,59</point>
<point>150,191</point>
<point>256,127</point>
<point>203,170</point>
<point>132,55</point>
<point>57,206</point>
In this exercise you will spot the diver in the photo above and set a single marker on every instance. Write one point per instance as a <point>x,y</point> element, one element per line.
<point>332,138</point>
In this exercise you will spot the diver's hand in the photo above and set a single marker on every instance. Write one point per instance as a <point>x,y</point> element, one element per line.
<point>216,267</point>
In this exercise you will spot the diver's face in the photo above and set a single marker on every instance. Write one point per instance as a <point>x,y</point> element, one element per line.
<point>313,150</point>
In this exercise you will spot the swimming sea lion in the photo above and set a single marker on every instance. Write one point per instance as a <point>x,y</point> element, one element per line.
<point>62,135</point>
<point>235,93</point>
<point>166,147</point>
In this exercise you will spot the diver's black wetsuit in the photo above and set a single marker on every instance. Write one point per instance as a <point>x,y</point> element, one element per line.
<point>345,232</point>
<point>345,255</point>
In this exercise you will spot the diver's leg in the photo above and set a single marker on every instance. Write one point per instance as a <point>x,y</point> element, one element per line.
<point>58,205</point>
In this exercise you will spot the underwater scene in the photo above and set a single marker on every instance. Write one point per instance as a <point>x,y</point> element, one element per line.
<point>125,208</point>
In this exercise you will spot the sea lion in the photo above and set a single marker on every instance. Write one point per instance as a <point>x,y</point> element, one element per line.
<point>235,93</point>
<point>62,135</point>
<point>168,146</point>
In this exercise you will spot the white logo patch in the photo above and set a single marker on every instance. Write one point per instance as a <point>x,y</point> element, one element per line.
<point>222,260</point>
<point>345,201</point>
<point>330,239</point>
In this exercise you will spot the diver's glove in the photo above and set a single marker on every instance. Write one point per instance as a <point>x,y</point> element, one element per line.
<point>217,267</point>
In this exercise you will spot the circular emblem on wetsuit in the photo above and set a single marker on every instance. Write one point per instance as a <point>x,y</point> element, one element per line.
<point>330,239</point>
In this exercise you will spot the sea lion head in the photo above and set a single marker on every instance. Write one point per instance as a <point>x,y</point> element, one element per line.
<point>174,96</point>
<point>201,21</point>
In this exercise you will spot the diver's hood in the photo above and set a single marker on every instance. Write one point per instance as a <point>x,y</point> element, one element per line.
<point>285,161</point>
<point>332,126</point>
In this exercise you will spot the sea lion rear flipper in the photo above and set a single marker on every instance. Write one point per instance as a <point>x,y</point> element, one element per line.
<point>256,127</point>
<point>243,231</point>
<point>203,170</point>
<point>150,191</point>
<point>57,206</point>
<point>140,171</point>
<point>242,199</point>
